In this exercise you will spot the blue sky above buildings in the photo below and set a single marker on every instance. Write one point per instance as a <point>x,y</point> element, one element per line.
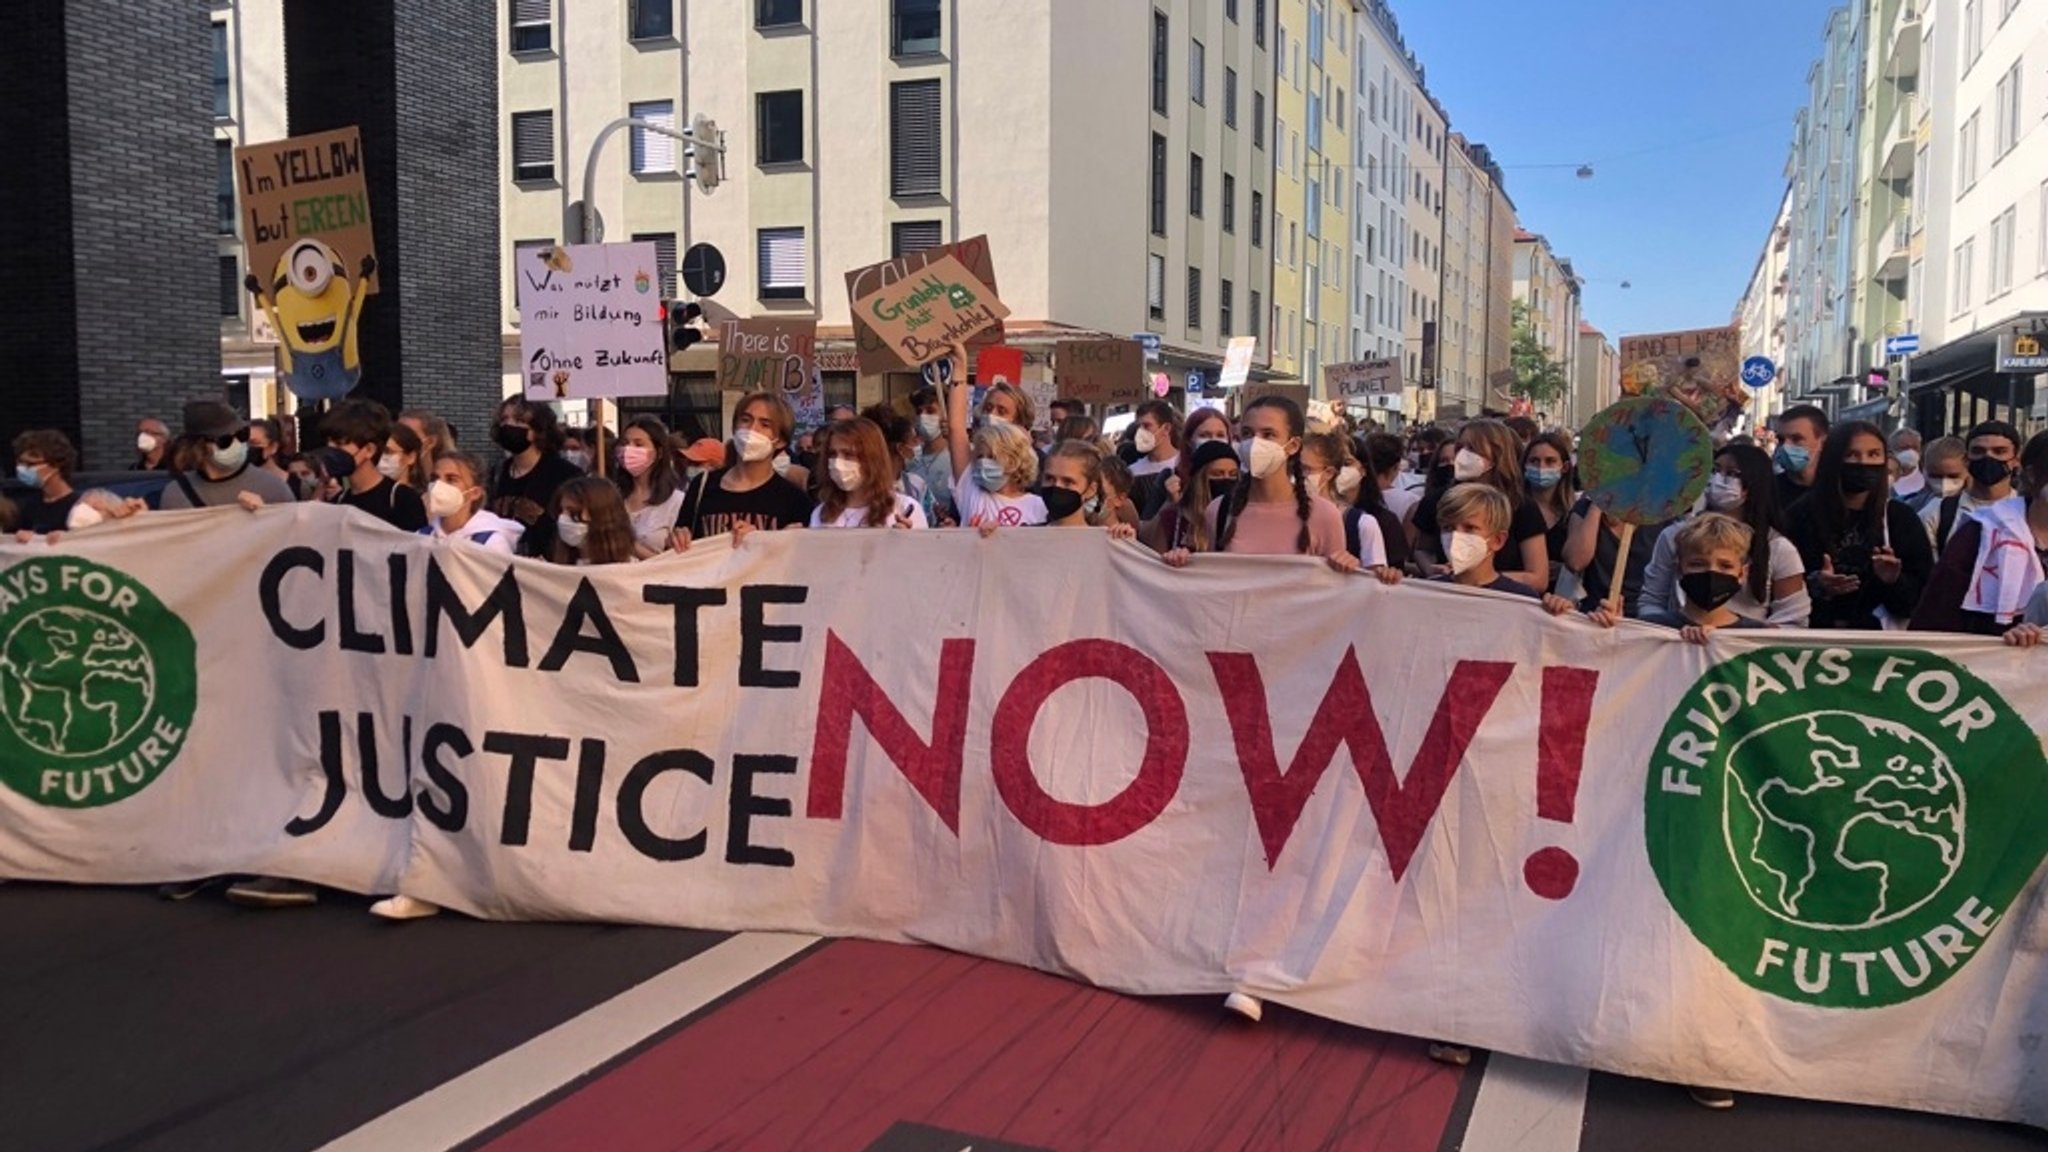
<point>1683,109</point>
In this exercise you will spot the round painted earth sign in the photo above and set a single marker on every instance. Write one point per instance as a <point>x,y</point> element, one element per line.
<point>1645,460</point>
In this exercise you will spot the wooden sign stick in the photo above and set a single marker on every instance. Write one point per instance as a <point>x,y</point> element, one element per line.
<point>1615,599</point>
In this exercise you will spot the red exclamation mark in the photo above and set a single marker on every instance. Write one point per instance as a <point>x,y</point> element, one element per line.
<point>1552,873</point>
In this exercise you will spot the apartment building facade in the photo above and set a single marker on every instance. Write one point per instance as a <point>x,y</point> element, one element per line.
<point>1478,281</point>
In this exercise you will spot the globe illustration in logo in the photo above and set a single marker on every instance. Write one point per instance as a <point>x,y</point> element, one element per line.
<point>1840,822</point>
<point>74,683</point>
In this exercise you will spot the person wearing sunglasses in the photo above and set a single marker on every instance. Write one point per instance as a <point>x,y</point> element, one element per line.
<point>210,466</point>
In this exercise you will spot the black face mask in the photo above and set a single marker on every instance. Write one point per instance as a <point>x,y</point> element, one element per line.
<point>1442,475</point>
<point>512,438</point>
<point>1060,503</point>
<point>1709,590</point>
<point>1860,478</point>
<point>256,457</point>
<point>1990,473</point>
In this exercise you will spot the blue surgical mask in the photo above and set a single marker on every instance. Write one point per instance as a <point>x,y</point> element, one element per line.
<point>1542,479</point>
<point>990,475</point>
<point>1793,459</point>
<point>29,475</point>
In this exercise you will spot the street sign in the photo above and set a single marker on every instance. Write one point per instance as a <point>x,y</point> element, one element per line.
<point>939,373</point>
<point>1197,380</point>
<point>703,270</point>
<point>2022,355</point>
<point>1758,372</point>
<point>583,226</point>
<point>1897,346</point>
<point>1150,341</point>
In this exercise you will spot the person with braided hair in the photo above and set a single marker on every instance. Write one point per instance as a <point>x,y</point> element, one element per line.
<point>1270,511</point>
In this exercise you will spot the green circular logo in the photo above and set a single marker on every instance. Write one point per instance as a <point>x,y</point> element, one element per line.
<point>98,683</point>
<point>1844,827</point>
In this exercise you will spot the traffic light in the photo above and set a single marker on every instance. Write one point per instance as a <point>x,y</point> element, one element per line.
<point>680,318</point>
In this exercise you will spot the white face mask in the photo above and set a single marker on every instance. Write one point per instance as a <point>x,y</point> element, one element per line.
<point>992,420</point>
<point>1145,441</point>
<point>782,463</point>
<point>1724,493</point>
<point>146,442</point>
<point>444,500</point>
<point>1349,478</point>
<point>845,474</point>
<point>389,465</point>
<point>1469,465</point>
<point>83,516</point>
<point>753,446</point>
<point>928,427</point>
<point>1464,551</point>
<point>1950,486</point>
<point>232,457</point>
<point>990,475</point>
<point>1261,458</point>
<point>1909,460</point>
<point>573,532</point>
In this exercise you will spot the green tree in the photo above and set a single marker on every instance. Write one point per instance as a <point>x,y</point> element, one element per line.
<point>1537,376</point>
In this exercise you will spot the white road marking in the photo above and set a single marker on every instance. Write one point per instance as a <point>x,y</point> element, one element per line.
<point>1525,1106</point>
<point>471,1103</point>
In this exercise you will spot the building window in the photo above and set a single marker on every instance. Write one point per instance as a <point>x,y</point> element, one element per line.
<point>1973,33</point>
<point>533,147</point>
<point>223,84</point>
<point>652,152</point>
<point>1158,184</point>
<point>664,259</point>
<point>1230,10</point>
<point>1159,61</point>
<point>1155,286</point>
<point>916,141</point>
<point>779,120</point>
<point>1259,22</point>
<point>230,288</point>
<point>1258,219</point>
<point>1966,155</point>
<point>778,13</point>
<point>1256,315</point>
<point>1340,109</point>
<point>909,237</point>
<point>1258,120</point>
<point>1229,203</point>
<point>1230,97</point>
<point>2004,243</point>
<point>1198,72</point>
<point>2008,101</point>
<point>1195,298</point>
<point>654,19</point>
<point>533,26</point>
<point>1313,225</point>
<point>785,272</point>
<point>1195,187</point>
<point>1224,318</point>
<point>914,27</point>
<point>1315,121</point>
<point>224,152</point>
<point>1965,258</point>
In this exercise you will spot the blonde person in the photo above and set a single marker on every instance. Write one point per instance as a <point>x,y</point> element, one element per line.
<point>455,507</point>
<point>994,470</point>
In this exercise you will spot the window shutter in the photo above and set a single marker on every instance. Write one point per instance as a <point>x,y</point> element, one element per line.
<point>915,116</point>
<point>653,152</point>
<point>1194,297</point>
<point>533,145</point>
<point>529,11</point>
<point>784,270</point>
<point>1155,283</point>
<point>913,236</point>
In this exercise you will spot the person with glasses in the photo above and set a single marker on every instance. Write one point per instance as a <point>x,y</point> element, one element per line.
<point>210,466</point>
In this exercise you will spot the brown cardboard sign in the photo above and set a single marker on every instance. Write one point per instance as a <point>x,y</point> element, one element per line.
<point>1250,392</point>
<point>1101,371</point>
<point>922,317</point>
<point>1363,379</point>
<point>876,355</point>
<point>769,356</point>
<point>307,187</point>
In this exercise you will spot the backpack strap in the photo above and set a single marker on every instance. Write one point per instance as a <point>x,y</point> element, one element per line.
<point>686,516</point>
<point>184,483</point>
<point>1351,518</point>
<point>1951,507</point>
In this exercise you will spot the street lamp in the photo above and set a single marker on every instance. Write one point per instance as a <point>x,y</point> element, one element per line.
<point>702,141</point>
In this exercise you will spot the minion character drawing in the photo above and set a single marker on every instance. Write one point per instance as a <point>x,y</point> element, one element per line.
<point>315,306</point>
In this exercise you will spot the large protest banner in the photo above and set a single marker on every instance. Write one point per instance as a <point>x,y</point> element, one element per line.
<point>1802,863</point>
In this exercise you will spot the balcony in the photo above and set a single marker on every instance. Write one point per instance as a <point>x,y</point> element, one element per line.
<point>1895,161</point>
<point>1895,248</point>
<point>1903,62</point>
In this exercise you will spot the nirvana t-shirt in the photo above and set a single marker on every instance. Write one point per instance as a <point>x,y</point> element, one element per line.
<point>713,511</point>
<point>395,505</point>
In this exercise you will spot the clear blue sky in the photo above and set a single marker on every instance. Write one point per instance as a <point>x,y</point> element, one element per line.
<point>1711,87</point>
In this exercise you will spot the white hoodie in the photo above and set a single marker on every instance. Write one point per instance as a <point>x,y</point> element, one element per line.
<point>485,530</point>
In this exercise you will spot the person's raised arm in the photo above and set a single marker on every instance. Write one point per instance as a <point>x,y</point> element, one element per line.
<point>1582,539</point>
<point>956,396</point>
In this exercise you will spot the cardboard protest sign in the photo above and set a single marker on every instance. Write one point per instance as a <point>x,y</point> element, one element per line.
<point>1645,460</point>
<point>1701,369</point>
<point>1250,392</point>
<point>923,317</point>
<point>777,356</point>
<point>1364,379</point>
<point>1101,371</point>
<point>878,356</point>
<point>590,322</point>
<point>999,360</point>
<point>309,255</point>
<point>1237,362</point>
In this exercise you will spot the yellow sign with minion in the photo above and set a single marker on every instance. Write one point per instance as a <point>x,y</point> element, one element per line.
<point>305,213</point>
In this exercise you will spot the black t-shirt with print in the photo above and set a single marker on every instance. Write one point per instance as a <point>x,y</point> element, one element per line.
<point>392,503</point>
<point>710,510</point>
<point>46,516</point>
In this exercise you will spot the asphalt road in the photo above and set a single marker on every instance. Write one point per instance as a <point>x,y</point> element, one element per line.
<point>127,1022</point>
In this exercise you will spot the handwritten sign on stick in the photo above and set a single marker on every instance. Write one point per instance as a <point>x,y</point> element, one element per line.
<point>878,357</point>
<point>922,317</point>
<point>1365,378</point>
<point>769,356</point>
<point>589,322</point>
<point>1102,371</point>
<point>307,187</point>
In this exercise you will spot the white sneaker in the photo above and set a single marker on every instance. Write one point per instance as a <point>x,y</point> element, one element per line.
<point>404,908</point>
<point>1249,1007</point>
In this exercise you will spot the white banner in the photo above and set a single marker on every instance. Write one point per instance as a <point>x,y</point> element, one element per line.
<point>1801,863</point>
